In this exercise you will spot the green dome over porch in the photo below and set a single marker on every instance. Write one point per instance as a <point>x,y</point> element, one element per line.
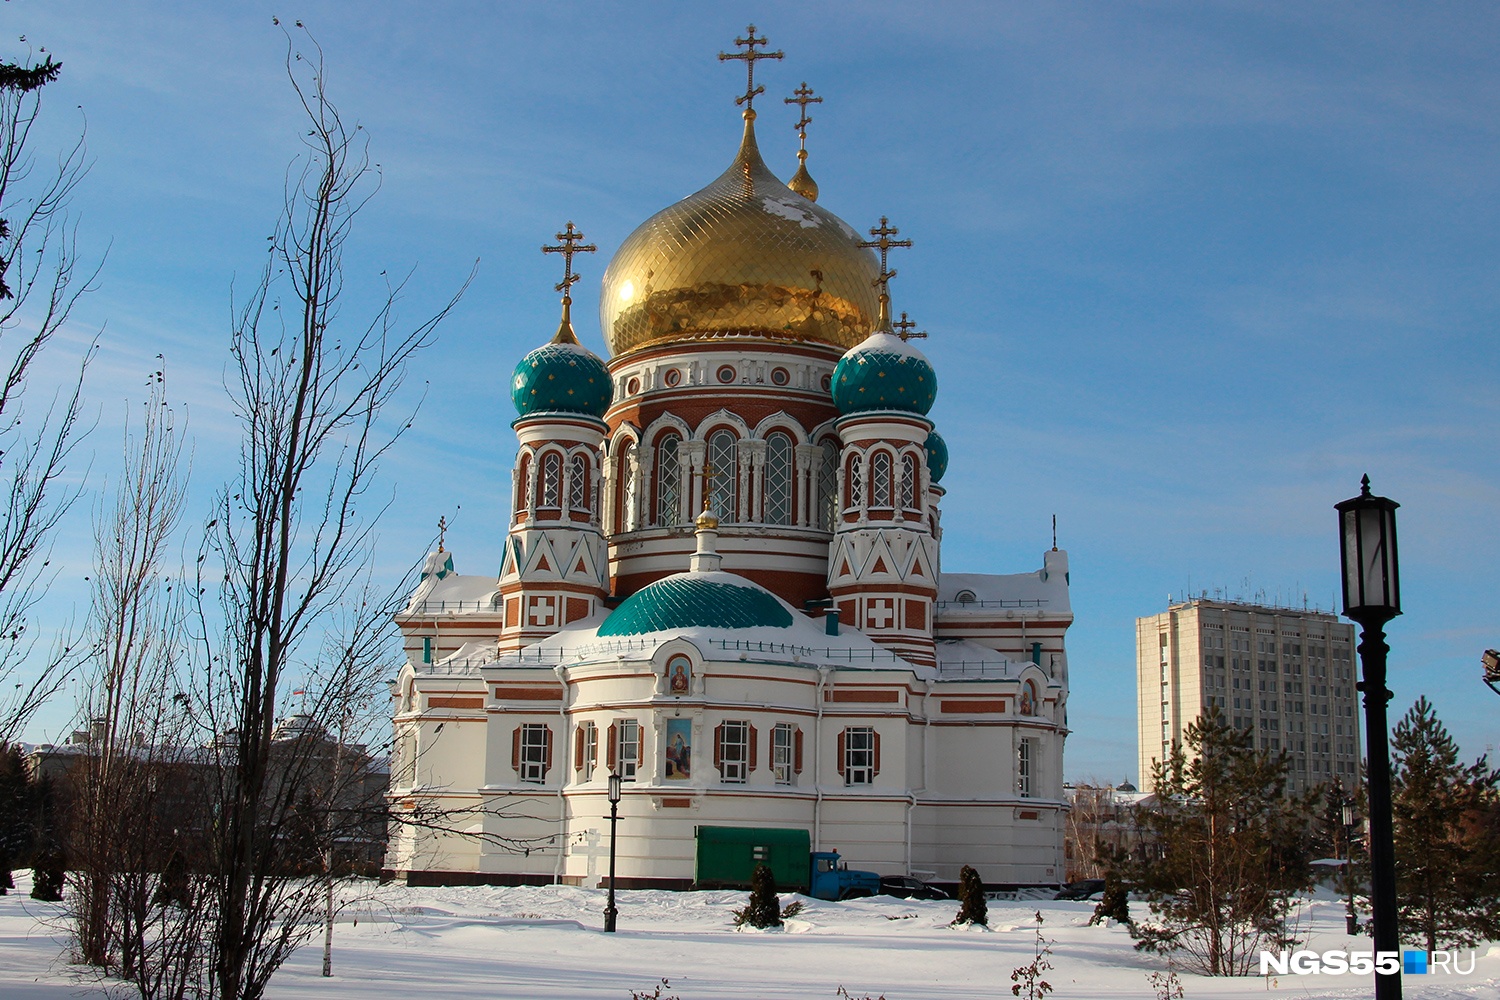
<point>697,600</point>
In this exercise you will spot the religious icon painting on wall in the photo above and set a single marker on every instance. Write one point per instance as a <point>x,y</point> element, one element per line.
<point>679,749</point>
<point>679,674</point>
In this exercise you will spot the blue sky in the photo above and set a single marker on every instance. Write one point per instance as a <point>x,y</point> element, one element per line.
<point>1189,269</point>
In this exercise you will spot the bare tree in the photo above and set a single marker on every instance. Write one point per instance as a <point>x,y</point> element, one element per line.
<point>40,282</point>
<point>287,552</point>
<point>135,797</point>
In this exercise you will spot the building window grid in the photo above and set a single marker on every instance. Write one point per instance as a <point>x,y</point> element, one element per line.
<point>578,487</point>
<point>778,488</point>
<point>723,457</point>
<point>783,753</point>
<point>828,486</point>
<point>908,482</point>
<point>590,750</point>
<point>859,755</point>
<point>734,752</point>
<point>551,480</point>
<point>1026,775</point>
<point>668,476</point>
<point>533,753</point>
<point>880,480</point>
<point>628,756</point>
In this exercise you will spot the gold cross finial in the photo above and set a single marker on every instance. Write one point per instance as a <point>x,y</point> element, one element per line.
<point>804,97</point>
<point>569,239</point>
<point>709,472</point>
<point>750,56</point>
<point>904,328</point>
<point>884,244</point>
<point>442,531</point>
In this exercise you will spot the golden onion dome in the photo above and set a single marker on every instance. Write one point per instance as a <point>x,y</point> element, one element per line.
<point>744,257</point>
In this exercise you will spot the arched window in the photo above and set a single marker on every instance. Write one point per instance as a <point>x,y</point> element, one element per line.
<point>551,480</point>
<point>629,508</point>
<point>854,482</point>
<point>828,486</point>
<point>880,480</point>
<point>578,485</point>
<point>668,481</point>
<point>523,485</point>
<point>908,482</point>
<point>778,490</point>
<point>723,459</point>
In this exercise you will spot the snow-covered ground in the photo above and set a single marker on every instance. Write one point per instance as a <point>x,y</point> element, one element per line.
<point>525,943</point>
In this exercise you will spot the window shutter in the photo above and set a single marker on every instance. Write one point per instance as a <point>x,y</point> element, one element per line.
<point>839,757</point>
<point>611,749</point>
<point>547,760</point>
<point>719,747</point>
<point>578,749</point>
<point>753,745</point>
<point>797,750</point>
<point>515,750</point>
<point>877,752</point>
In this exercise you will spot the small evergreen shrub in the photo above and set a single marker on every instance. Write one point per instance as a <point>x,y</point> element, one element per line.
<point>1114,904</point>
<point>47,877</point>
<point>972,908</point>
<point>793,908</point>
<point>764,908</point>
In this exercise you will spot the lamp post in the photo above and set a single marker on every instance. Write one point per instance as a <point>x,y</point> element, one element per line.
<point>1372,597</point>
<point>614,818</point>
<point>1491,661</point>
<point>1351,923</point>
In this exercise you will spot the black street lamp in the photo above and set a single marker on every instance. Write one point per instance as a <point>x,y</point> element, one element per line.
<point>614,818</point>
<point>1351,922</point>
<point>1372,597</point>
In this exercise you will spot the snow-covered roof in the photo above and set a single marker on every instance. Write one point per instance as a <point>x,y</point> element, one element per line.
<point>1045,590</point>
<point>454,594</point>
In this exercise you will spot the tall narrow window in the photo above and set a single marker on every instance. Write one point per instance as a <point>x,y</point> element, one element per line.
<point>732,751</point>
<point>629,508</point>
<point>723,457</point>
<point>854,483</point>
<point>668,481</point>
<point>578,485</point>
<point>533,753</point>
<point>880,480</point>
<point>628,754</point>
<point>587,750</point>
<point>1026,768</point>
<point>828,486</point>
<point>859,755</point>
<point>908,482</point>
<point>551,480</point>
<point>426,649</point>
<point>778,490</point>
<point>784,762</point>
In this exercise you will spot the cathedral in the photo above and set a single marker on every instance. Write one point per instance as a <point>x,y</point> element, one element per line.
<point>722,581</point>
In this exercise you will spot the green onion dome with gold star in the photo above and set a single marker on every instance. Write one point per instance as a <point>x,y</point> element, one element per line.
<point>937,456</point>
<point>561,376</point>
<point>884,373</point>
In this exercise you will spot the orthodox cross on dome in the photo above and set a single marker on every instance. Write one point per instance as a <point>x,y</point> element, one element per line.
<point>442,531</point>
<point>709,474</point>
<point>904,328</point>
<point>569,240</point>
<point>750,56</point>
<point>884,244</point>
<point>804,97</point>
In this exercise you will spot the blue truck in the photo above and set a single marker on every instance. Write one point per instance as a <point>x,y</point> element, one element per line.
<point>726,858</point>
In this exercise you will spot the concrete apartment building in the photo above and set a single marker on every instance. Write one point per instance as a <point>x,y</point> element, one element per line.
<point>1286,674</point>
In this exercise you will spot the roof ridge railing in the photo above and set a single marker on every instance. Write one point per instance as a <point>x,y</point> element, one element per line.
<point>1020,602</point>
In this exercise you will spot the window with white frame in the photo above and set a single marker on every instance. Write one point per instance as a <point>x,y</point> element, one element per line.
<point>908,482</point>
<point>859,755</point>
<point>551,480</point>
<point>854,483</point>
<point>628,752</point>
<point>668,478</point>
<point>880,480</point>
<point>828,486</point>
<point>1026,768</point>
<point>630,508</point>
<point>590,755</point>
<point>784,753</point>
<point>778,488</point>
<point>723,459</point>
<point>733,751</point>
<point>535,746</point>
<point>578,485</point>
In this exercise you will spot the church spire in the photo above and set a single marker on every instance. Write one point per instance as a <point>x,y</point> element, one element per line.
<point>802,181</point>
<point>569,241</point>
<point>884,244</point>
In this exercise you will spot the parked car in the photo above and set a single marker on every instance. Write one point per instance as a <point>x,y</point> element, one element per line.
<point>906,887</point>
<point>1086,889</point>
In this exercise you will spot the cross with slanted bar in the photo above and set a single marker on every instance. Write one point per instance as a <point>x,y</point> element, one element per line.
<point>570,239</point>
<point>904,328</point>
<point>884,244</point>
<point>750,56</point>
<point>804,97</point>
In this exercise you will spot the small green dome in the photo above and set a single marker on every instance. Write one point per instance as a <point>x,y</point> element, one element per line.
<point>884,373</point>
<point>937,456</point>
<point>561,377</point>
<point>690,600</point>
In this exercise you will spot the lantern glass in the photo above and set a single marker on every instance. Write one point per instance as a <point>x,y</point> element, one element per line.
<point>1367,538</point>
<point>614,788</point>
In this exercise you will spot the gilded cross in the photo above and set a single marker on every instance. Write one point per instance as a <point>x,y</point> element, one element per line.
<point>750,56</point>
<point>709,472</point>
<point>804,97</point>
<point>904,328</point>
<point>569,240</point>
<point>884,244</point>
<point>442,531</point>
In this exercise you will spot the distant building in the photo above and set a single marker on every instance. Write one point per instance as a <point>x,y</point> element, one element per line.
<point>1102,820</point>
<point>1285,674</point>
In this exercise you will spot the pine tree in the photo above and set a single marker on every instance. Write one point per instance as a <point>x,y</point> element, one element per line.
<point>1446,836</point>
<point>1231,851</point>
<point>764,909</point>
<point>972,908</point>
